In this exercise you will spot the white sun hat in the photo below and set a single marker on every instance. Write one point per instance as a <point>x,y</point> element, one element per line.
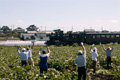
<point>95,49</point>
<point>23,49</point>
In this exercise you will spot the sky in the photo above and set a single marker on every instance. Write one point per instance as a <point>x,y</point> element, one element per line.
<point>67,15</point>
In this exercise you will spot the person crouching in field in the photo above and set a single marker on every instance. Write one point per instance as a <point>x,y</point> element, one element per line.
<point>108,52</point>
<point>43,60</point>
<point>94,57</point>
<point>23,56</point>
<point>30,60</point>
<point>81,63</point>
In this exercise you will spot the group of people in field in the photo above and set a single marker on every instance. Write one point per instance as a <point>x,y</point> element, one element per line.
<point>26,58</point>
<point>81,60</point>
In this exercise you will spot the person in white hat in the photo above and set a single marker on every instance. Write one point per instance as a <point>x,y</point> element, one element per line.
<point>23,56</point>
<point>81,63</point>
<point>108,52</point>
<point>94,57</point>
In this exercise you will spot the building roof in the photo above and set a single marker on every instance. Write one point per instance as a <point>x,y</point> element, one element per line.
<point>57,30</point>
<point>89,30</point>
<point>32,28</point>
<point>18,28</point>
<point>78,32</point>
<point>105,31</point>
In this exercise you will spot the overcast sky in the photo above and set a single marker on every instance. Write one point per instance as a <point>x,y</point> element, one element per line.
<point>63,14</point>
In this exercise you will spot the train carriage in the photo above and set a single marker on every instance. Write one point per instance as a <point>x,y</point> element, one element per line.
<point>97,38</point>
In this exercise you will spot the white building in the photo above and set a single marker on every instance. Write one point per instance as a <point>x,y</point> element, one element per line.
<point>19,30</point>
<point>43,35</point>
<point>28,36</point>
<point>31,32</point>
<point>35,35</point>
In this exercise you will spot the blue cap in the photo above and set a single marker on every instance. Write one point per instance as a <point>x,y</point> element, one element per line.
<point>29,46</point>
<point>44,51</point>
<point>18,47</point>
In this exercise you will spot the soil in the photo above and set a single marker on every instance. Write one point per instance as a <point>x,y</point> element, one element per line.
<point>102,77</point>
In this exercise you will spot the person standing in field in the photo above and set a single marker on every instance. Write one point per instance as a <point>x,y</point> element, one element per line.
<point>94,57</point>
<point>43,60</point>
<point>108,52</point>
<point>81,63</point>
<point>23,56</point>
<point>30,60</point>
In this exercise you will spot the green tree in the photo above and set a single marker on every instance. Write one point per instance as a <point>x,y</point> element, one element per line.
<point>5,28</point>
<point>15,34</point>
<point>33,37</point>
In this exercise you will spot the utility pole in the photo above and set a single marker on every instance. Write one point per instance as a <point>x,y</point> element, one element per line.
<point>41,28</point>
<point>90,27</point>
<point>72,28</point>
<point>45,28</point>
<point>84,28</point>
<point>63,28</point>
<point>58,27</point>
<point>13,26</point>
<point>101,28</point>
<point>0,26</point>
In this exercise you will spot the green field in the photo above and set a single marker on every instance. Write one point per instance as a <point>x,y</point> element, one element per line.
<point>61,64</point>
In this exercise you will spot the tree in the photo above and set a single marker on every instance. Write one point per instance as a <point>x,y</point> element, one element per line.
<point>33,37</point>
<point>15,34</point>
<point>22,38</point>
<point>5,28</point>
<point>3,35</point>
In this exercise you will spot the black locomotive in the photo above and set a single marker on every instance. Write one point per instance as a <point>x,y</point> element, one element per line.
<point>88,36</point>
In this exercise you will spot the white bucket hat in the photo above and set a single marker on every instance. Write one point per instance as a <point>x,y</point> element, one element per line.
<point>95,49</point>
<point>23,49</point>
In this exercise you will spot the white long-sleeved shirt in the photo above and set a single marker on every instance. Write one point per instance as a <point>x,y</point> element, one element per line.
<point>23,55</point>
<point>94,55</point>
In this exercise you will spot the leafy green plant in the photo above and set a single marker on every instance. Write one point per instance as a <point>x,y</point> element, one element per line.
<point>61,64</point>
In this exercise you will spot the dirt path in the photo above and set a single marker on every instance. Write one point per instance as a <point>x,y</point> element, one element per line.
<point>102,77</point>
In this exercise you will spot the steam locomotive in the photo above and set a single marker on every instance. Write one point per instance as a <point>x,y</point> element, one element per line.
<point>89,36</point>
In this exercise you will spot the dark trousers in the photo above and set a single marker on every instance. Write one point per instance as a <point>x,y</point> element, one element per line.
<point>24,63</point>
<point>94,66</point>
<point>82,71</point>
<point>108,62</point>
<point>43,69</point>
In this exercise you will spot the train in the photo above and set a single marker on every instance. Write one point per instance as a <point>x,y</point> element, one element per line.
<point>88,36</point>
